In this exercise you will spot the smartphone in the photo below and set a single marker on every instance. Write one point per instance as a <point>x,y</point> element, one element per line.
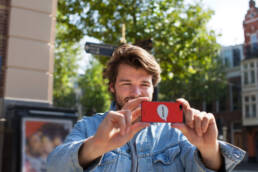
<point>170,112</point>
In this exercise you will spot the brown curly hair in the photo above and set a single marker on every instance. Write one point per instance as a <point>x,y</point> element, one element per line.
<point>134,56</point>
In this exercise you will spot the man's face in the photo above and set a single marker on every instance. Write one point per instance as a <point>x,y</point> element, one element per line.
<point>131,83</point>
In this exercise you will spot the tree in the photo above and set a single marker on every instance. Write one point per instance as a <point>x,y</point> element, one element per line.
<point>95,96</point>
<point>206,85</point>
<point>186,50</point>
<point>66,56</point>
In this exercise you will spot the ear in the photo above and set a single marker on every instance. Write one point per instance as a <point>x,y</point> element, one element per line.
<point>112,88</point>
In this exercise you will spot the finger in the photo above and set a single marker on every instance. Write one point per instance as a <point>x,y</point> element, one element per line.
<point>205,122</point>
<point>128,117</point>
<point>119,119</point>
<point>198,123</point>
<point>136,114</point>
<point>189,117</point>
<point>134,103</point>
<point>184,102</point>
<point>188,112</point>
<point>182,127</point>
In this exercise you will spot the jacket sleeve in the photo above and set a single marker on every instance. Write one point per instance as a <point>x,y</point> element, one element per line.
<point>65,157</point>
<point>232,155</point>
<point>191,157</point>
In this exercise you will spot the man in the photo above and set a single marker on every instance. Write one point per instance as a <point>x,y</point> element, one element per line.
<point>118,141</point>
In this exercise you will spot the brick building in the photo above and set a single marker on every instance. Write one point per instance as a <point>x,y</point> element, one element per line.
<point>239,115</point>
<point>228,110</point>
<point>249,74</point>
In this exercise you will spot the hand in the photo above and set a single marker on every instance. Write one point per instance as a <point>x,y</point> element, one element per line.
<point>134,105</point>
<point>201,130</point>
<point>117,128</point>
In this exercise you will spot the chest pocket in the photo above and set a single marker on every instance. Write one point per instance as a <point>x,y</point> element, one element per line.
<point>114,161</point>
<point>167,157</point>
<point>109,158</point>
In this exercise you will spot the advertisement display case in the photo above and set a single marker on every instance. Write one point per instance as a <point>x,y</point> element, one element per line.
<point>31,134</point>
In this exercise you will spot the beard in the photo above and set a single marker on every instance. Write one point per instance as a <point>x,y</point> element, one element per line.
<point>121,101</point>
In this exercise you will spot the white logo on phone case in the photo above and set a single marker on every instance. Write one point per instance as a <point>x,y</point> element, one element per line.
<point>162,111</point>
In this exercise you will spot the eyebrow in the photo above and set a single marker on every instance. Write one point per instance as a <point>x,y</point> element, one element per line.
<point>124,80</point>
<point>148,82</point>
<point>127,80</point>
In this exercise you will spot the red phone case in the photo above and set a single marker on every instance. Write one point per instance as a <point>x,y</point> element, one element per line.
<point>171,112</point>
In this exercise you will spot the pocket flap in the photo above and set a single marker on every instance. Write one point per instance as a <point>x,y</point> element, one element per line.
<point>109,157</point>
<point>167,156</point>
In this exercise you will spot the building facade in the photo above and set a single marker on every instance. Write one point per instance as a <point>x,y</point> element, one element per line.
<point>228,111</point>
<point>249,75</point>
<point>239,115</point>
<point>27,35</point>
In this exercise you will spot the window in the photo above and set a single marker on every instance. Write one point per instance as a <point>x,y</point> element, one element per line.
<point>254,110</point>
<point>226,61</point>
<point>253,106</point>
<point>236,96</point>
<point>253,38</point>
<point>252,76</point>
<point>249,73</point>
<point>255,49</point>
<point>250,106</point>
<point>227,57</point>
<point>245,78</point>
<point>247,113</point>
<point>252,73</point>
<point>236,57</point>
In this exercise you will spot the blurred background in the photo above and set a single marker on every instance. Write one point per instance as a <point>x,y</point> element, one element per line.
<point>52,53</point>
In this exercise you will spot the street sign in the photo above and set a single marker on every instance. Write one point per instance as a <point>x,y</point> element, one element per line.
<point>99,49</point>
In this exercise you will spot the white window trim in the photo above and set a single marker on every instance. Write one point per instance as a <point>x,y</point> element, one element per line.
<point>250,105</point>
<point>249,74</point>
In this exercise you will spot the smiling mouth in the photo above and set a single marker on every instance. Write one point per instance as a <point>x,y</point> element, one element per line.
<point>129,98</point>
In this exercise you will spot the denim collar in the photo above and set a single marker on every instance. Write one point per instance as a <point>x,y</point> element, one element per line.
<point>113,106</point>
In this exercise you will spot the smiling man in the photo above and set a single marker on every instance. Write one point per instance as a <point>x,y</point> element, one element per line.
<point>118,141</point>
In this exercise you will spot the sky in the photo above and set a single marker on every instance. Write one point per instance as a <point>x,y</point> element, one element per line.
<point>227,20</point>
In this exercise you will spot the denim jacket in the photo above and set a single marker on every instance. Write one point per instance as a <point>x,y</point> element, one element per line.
<point>156,148</point>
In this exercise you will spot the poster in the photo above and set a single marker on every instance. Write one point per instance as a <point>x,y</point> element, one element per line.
<point>39,137</point>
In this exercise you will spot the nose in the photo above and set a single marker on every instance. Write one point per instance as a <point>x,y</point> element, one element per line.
<point>135,91</point>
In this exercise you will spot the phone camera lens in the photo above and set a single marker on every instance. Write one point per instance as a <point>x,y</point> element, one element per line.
<point>181,107</point>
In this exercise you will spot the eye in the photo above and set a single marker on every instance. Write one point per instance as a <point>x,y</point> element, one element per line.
<point>145,85</point>
<point>126,83</point>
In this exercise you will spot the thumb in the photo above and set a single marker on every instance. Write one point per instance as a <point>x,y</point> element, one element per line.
<point>182,127</point>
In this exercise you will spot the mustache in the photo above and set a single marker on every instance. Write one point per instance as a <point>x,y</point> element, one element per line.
<point>129,98</point>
